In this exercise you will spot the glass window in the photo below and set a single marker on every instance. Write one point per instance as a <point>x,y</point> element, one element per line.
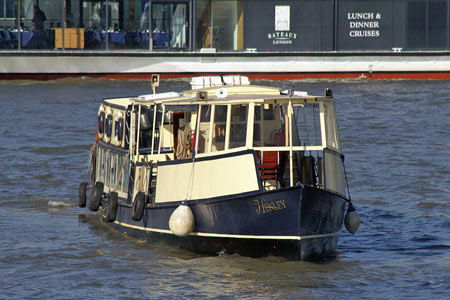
<point>203,131</point>
<point>307,125</point>
<point>219,24</point>
<point>334,179</point>
<point>219,133</point>
<point>7,8</point>
<point>331,126</point>
<point>238,128</point>
<point>270,131</point>
<point>169,24</point>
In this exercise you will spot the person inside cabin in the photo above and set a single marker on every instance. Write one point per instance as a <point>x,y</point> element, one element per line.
<point>184,142</point>
<point>39,18</point>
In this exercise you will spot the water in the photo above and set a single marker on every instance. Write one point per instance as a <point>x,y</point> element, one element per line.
<point>396,136</point>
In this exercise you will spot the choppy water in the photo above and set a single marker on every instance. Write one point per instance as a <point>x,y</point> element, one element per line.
<point>396,136</point>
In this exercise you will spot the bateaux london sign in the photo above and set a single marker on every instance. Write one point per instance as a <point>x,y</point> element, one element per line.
<point>282,35</point>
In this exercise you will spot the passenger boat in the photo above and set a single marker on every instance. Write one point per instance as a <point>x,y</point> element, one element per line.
<point>226,167</point>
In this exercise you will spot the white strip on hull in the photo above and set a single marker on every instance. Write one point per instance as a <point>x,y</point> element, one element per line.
<point>237,236</point>
<point>176,64</point>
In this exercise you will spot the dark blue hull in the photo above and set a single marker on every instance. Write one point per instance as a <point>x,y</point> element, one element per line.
<point>299,223</point>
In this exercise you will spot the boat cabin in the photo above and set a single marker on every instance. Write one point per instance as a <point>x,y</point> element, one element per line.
<point>222,137</point>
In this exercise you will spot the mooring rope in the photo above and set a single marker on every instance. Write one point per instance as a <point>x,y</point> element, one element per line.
<point>191,181</point>
<point>91,158</point>
<point>346,181</point>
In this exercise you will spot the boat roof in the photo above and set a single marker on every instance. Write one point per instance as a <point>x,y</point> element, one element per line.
<point>221,96</point>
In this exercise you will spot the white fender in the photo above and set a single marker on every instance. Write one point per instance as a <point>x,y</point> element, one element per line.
<point>352,219</point>
<point>181,222</point>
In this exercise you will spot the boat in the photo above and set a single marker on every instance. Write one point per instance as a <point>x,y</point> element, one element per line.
<point>370,39</point>
<point>225,167</point>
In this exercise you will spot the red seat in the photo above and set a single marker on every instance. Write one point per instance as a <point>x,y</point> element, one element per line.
<point>268,165</point>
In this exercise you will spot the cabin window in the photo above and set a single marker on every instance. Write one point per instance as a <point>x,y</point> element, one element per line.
<point>331,126</point>
<point>118,129</point>
<point>335,178</point>
<point>219,132</point>
<point>145,129</point>
<point>238,127</point>
<point>203,131</point>
<point>108,126</point>
<point>101,124</point>
<point>269,128</point>
<point>307,125</point>
<point>146,137</point>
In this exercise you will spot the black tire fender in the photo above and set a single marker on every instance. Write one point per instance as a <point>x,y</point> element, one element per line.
<point>111,207</point>
<point>82,194</point>
<point>138,206</point>
<point>96,196</point>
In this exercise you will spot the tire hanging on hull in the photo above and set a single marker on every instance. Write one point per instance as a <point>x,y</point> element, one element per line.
<point>111,207</point>
<point>138,206</point>
<point>82,194</point>
<point>96,196</point>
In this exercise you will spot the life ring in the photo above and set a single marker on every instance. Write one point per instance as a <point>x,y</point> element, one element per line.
<point>111,207</point>
<point>108,125</point>
<point>82,194</point>
<point>138,206</point>
<point>101,122</point>
<point>96,196</point>
<point>118,129</point>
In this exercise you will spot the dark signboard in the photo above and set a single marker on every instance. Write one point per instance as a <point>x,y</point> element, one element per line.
<point>288,25</point>
<point>364,25</point>
<point>346,25</point>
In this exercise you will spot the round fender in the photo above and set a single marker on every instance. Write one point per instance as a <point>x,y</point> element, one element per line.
<point>182,221</point>
<point>96,196</point>
<point>351,220</point>
<point>138,206</point>
<point>82,194</point>
<point>111,207</point>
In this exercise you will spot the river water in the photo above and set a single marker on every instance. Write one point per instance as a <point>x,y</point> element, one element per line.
<point>396,137</point>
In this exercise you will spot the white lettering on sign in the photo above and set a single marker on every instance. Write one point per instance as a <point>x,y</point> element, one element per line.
<point>282,34</point>
<point>365,22</point>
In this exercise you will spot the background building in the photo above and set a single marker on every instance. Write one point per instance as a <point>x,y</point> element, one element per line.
<point>227,25</point>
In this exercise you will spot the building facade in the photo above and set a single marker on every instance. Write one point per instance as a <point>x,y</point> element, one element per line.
<point>225,25</point>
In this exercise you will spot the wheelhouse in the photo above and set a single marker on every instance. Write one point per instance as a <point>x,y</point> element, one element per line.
<point>285,137</point>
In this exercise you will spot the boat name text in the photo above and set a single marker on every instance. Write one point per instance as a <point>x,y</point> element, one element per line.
<point>264,207</point>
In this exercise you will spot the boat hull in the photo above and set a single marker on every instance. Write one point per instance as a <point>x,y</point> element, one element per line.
<point>47,65</point>
<point>299,223</point>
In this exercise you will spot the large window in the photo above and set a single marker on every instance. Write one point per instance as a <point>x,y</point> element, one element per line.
<point>169,21</point>
<point>7,8</point>
<point>219,24</point>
